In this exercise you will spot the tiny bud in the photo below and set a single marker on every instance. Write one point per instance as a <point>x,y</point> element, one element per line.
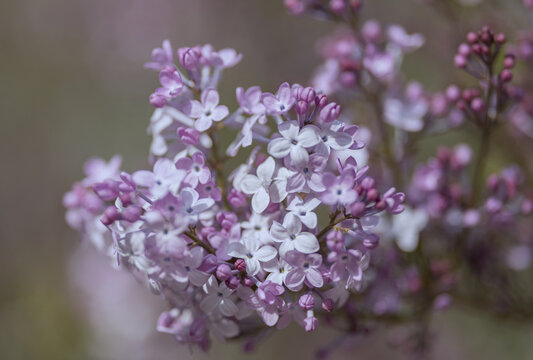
<point>506,75</point>
<point>330,112</point>
<point>157,100</point>
<point>301,107</point>
<point>368,183</point>
<point>500,38</point>
<point>371,31</point>
<point>223,272</point>
<point>464,49</point>
<point>132,213</point>
<point>471,37</point>
<point>328,304</point>
<point>207,231</point>
<point>240,265</point>
<point>357,208</point>
<point>453,93</point>
<point>125,199</point>
<point>188,136</point>
<point>337,6</point>
<point>477,104</point>
<point>189,58</point>
<point>509,61</point>
<point>459,61</point>
<point>486,38</point>
<point>371,241</point>
<point>111,214</point>
<point>306,302</point>
<point>236,198</point>
<point>372,195</point>
<point>247,281</point>
<point>476,48</point>
<point>308,94</point>
<point>311,323</point>
<point>233,283</point>
<point>321,101</point>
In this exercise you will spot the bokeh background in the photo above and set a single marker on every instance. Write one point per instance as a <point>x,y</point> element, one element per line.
<point>72,85</point>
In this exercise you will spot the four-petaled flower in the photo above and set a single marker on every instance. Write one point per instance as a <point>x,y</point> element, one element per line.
<point>218,298</point>
<point>252,253</point>
<point>291,237</point>
<point>208,110</point>
<point>294,141</point>
<point>280,103</point>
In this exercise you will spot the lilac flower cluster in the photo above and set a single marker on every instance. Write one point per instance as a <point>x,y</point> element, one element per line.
<point>303,230</point>
<point>260,246</point>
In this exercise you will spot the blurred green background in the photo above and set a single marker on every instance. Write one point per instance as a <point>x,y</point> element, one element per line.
<point>72,85</point>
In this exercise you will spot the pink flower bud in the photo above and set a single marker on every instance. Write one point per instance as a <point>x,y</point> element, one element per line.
<point>509,61</point>
<point>301,107</point>
<point>132,213</point>
<point>306,302</point>
<point>311,323</point>
<point>233,283</point>
<point>188,136</point>
<point>372,194</point>
<point>246,281</point>
<point>125,199</point>
<point>371,31</point>
<point>459,61</point>
<point>464,49</point>
<point>330,112</point>
<point>477,104</point>
<point>189,58</point>
<point>240,265</point>
<point>223,272</point>
<point>500,38</point>
<point>321,101</point>
<point>506,75</point>
<point>453,93</point>
<point>236,198</point>
<point>471,37</point>
<point>328,304</point>
<point>158,100</point>
<point>111,214</point>
<point>371,241</point>
<point>337,6</point>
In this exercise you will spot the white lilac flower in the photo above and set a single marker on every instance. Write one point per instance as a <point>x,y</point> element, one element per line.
<point>165,177</point>
<point>218,298</point>
<point>294,141</point>
<point>406,116</point>
<point>260,185</point>
<point>303,209</point>
<point>291,237</point>
<point>252,253</point>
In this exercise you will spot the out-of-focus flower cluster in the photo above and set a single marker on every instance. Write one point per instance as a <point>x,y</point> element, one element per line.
<point>286,235</point>
<point>466,230</point>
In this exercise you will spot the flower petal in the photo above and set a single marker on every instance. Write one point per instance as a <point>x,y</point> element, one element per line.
<point>279,147</point>
<point>306,243</point>
<point>260,200</point>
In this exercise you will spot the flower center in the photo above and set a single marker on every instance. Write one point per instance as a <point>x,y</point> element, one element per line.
<point>292,236</point>
<point>294,142</point>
